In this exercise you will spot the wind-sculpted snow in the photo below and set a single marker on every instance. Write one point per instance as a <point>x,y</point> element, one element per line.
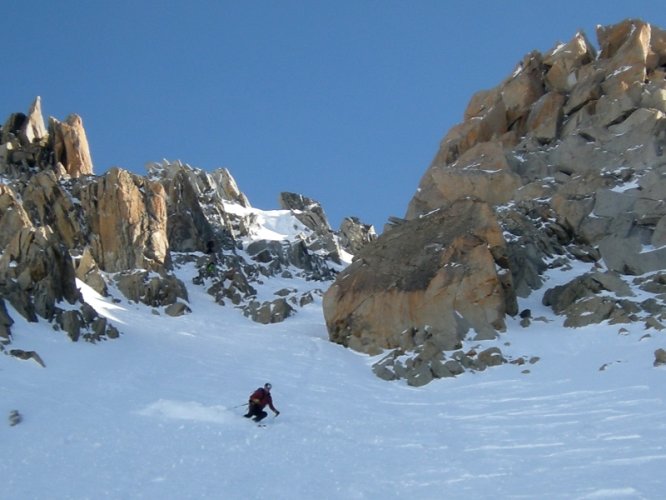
<point>157,414</point>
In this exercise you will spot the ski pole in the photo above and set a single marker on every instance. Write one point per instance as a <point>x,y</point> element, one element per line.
<point>245,404</point>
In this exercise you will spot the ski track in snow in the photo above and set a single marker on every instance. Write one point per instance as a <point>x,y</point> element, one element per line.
<point>158,414</point>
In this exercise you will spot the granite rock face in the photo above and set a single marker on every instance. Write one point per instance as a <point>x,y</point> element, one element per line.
<point>565,157</point>
<point>126,234</point>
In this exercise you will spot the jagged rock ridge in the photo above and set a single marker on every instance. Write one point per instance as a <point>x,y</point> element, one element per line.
<point>565,159</point>
<point>124,233</point>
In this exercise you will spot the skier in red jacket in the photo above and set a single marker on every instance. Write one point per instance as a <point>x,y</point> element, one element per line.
<point>258,400</point>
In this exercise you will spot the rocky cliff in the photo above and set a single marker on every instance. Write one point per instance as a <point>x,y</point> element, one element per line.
<point>562,162</point>
<point>124,235</point>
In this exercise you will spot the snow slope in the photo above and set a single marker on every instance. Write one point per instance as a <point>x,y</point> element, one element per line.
<point>154,414</point>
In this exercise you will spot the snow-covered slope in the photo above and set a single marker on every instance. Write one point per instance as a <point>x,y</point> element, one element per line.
<point>158,413</point>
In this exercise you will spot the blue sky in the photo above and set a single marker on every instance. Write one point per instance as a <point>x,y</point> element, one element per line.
<point>344,102</point>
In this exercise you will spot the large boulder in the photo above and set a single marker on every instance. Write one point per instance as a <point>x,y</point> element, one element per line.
<point>606,296</point>
<point>268,312</point>
<point>430,278</point>
<point>151,289</point>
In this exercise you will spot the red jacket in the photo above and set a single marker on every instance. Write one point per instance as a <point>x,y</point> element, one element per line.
<point>261,397</point>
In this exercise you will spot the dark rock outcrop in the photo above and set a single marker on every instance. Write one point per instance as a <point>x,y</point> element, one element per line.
<point>427,363</point>
<point>354,234</point>
<point>311,214</point>
<point>37,272</point>
<point>659,357</point>
<point>151,289</point>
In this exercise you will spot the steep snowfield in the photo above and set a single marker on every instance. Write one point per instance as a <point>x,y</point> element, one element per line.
<point>155,414</point>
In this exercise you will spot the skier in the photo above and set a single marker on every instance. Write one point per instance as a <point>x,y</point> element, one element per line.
<point>212,258</point>
<point>210,268</point>
<point>258,400</point>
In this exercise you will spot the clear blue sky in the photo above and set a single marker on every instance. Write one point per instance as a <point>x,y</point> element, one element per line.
<point>343,101</point>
